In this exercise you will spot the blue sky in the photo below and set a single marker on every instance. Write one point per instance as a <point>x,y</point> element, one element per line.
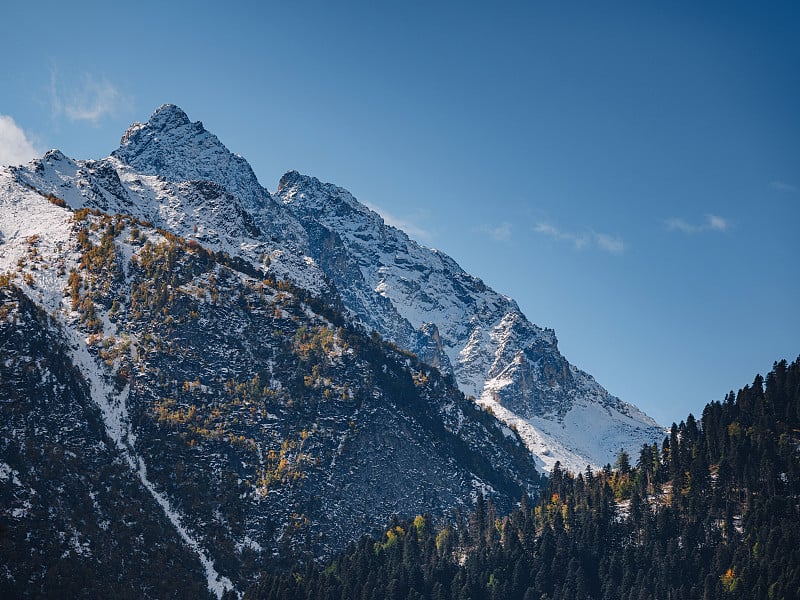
<point>630,173</point>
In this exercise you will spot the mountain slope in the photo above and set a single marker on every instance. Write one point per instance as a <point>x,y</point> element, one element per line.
<point>71,506</point>
<point>712,513</point>
<point>174,173</point>
<point>244,419</point>
<point>422,300</point>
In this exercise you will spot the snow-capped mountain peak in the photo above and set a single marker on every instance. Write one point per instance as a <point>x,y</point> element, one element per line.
<point>171,146</point>
<point>165,117</point>
<point>174,173</point>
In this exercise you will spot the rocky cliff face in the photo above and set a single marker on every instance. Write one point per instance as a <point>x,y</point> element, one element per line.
<point>422,300</point>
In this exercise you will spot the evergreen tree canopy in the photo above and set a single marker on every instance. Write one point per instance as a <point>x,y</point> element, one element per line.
<point>713,514</point>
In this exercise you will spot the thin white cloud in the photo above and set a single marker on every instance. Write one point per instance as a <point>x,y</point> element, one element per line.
<point>590,239</point>
<point>412,229</point>
<point>712,223</point>
<point>782,186</point>
<point>675,224</point>
<point>609,243</point>
<point>15,147</point>
<point>499,233</point>
<point>578,240</point>
<point>717,223</point>
<point>89,99</point>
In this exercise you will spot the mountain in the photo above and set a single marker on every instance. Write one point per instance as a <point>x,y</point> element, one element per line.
<point>165,404</point>
<point>174,173</point>
<point>198,369</point>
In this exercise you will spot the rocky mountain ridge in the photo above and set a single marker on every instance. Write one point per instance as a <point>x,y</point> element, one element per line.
<point>422,300</point>
<point>177,175</point>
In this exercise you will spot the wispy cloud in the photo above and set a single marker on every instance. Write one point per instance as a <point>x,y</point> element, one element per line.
<point>579,240</point>
<point>675,224</point>
<point>500,233</point>
<point>588,239</point>
<point>712,223</point>
<point>609,243</point>
<point>15,146</point>
<point>410,227</point>
<point>717,223</point>
<point>88,99</point>
<point>782,186</point>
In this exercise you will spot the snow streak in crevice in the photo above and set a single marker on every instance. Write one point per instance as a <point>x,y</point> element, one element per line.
<point>113,406</point>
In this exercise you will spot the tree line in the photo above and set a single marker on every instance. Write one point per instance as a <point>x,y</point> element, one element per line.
<point>711,513</point>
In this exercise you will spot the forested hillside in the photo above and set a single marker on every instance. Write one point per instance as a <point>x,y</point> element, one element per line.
<point>711,513</point>
<point>163,404</point>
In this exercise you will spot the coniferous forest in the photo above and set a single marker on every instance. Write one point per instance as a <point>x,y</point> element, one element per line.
<point>714,512</point>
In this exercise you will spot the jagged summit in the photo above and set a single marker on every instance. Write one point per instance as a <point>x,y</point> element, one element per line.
<point>290,178</point>
<point>170,115</point>
<point>172,146</point>
<point>166,116</point>
<point>311,193</point>
<point>54,154</point>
